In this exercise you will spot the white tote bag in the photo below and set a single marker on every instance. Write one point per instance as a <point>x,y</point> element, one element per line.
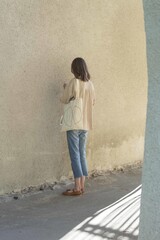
<point>72,116</point>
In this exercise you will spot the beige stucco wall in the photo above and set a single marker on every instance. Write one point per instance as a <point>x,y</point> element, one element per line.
<point>39,39</point>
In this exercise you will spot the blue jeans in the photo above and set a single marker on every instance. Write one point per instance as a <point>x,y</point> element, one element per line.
<point>77,140</point>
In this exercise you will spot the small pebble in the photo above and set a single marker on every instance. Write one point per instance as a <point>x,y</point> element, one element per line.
<point>15,197</point>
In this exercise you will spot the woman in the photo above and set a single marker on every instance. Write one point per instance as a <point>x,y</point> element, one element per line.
<point>79,87</point>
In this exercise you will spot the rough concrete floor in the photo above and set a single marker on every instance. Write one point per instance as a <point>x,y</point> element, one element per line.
<point>48,215</point>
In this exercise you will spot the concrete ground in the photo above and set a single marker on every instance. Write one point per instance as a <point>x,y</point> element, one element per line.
<point>48,215</point>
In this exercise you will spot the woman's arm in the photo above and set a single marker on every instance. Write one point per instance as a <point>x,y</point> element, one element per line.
<point>67,92</point>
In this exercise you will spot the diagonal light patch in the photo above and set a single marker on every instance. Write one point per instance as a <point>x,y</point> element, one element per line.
<point>119,220</point>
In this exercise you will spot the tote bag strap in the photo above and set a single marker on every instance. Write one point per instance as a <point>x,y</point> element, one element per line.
<point>77,88</point>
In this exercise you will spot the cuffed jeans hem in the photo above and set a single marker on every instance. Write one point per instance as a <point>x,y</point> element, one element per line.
<point>79,176</point>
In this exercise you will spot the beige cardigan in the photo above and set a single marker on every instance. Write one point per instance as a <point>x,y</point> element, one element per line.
<point>85,90</point>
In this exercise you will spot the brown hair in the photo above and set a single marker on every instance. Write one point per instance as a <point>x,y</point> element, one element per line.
<point>80,70</point>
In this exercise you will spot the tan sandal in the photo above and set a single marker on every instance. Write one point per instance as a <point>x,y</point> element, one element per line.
<point>72,192</point>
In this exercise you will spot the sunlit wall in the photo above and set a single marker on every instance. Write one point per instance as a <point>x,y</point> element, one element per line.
<point>39,39</point>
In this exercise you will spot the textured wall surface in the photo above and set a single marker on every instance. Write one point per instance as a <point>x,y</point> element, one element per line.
<point>39,39</point>
<point>150,203</point>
